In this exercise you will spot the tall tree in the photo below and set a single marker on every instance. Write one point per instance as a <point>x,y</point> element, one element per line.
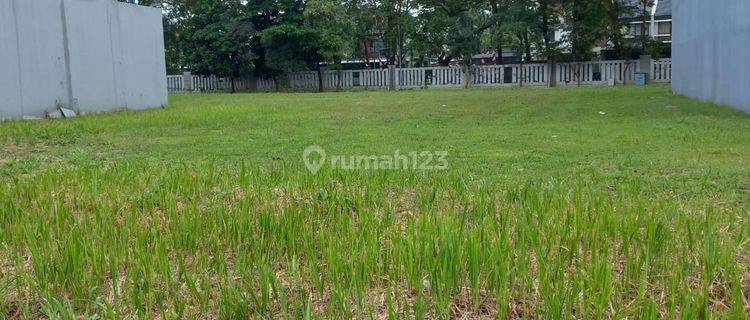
<point>462,24</point>
<point>523,25</point>
<point>173,54</point>
<point>585,23</point>
<point>217,39</point>
<point>363,32</point>
<point>617,25</point>
<point>456,26</point>
<point>500,9</point>
<point>330,21</point>
<point>395,19</point>
<point>288,48</point>
<point>644,13</point>
<point>547,22</point>
<point>431,38</point>
<point>266,14</point>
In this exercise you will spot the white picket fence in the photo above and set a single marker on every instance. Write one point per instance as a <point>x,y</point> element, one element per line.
<point>207,84</point>
<point>532,74</point>
<point>596,72</point>
<point>661,70</point>
<point>175,84</point>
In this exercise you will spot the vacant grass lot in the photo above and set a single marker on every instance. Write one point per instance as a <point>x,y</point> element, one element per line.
<point>558,203</point>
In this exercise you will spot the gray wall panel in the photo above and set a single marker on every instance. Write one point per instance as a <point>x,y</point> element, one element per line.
<point>91,60</point>
<point>711,51</point>
<point>42,55</point>
<point>90,55</point>
<point>10,78</point>
<point>137,66</point>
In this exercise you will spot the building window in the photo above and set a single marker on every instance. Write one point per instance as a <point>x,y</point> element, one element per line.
<point>665,28</point>
<point>636,28</point>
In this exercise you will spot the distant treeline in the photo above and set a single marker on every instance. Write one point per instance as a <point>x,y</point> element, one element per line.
<point>233,38</point>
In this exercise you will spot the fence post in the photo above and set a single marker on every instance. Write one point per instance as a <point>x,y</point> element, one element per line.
<point>466,75</point>
<point>322,72</point>
<point>551,73</point>
<point>187,81</point>
<point>644,66</point>
<point>391,77</point>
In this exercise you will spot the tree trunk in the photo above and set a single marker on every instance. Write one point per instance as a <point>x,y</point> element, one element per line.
<point>625,71</point>
<point>467,75</point>
<point>499,51</point>
<point>233,88</point>
<point>643,25</point>
<point>320,79</point>
<point>551,80</point>
<point>495,11</point>
<point>545,30</point>
<point>527,45</point>
<point>366,48</point>
<point>499,59</point>
<point>339,75</point>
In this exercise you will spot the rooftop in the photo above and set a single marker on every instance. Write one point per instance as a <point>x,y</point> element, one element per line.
<point>663,8</point>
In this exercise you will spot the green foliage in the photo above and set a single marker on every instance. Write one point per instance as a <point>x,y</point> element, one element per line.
<point>332,27</point>
<point>463,40</point>
<point>432,35</point>
<point>547,22</point>
<point>586,22</point>
<point>642,12</point>
<point>216,39</point>
<point>173,54</point>
<point>290,47</point>
<point>616,27</point>
<point>654,48</point>
<point>395,20</point>
<point>270,37</point>
<point>455,27</point>
<point>365,16</point>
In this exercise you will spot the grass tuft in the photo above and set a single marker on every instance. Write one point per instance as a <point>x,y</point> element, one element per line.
<point>548,210</point>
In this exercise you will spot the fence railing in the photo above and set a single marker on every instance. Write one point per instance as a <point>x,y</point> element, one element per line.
<point>661,70</point>
<point>175,84</point>
<point>530,74</point>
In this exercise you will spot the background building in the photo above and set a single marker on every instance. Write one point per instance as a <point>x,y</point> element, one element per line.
<point>658,23</point>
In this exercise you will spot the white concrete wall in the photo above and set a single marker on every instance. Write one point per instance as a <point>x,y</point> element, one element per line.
<point>711,51</point>
<point>89,55</point>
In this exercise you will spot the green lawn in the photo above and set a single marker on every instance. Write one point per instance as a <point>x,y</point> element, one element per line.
<point>557,203</point>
